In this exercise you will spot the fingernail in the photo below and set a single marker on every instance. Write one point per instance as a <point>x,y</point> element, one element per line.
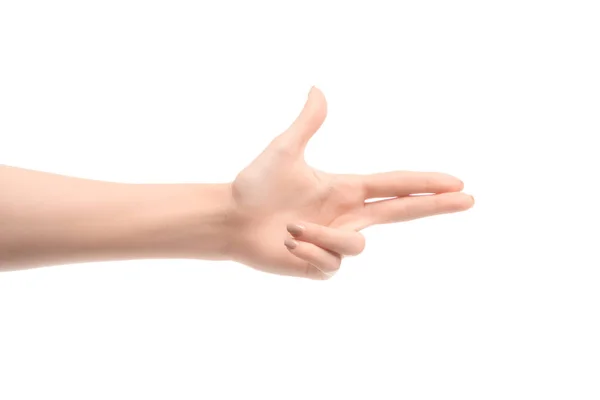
<point>290,243</point>
<point>295,229</point>
<point>473,198</point>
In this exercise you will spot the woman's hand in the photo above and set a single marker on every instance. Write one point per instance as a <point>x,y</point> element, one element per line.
<point>295,220</point>
<point>279,215</point>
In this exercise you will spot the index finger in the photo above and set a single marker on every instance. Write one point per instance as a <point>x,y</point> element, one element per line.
<point>404,183</point>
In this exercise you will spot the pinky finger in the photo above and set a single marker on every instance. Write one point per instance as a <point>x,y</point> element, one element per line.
<point>320,263</point>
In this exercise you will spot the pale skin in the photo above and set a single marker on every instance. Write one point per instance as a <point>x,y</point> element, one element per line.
<point>279,215</point>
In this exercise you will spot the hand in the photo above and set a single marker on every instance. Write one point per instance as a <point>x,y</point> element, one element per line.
<point>278,196</point>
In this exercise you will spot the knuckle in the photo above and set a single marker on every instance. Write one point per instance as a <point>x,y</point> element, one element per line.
<point>437,204</point>
<point>316,232</point>
<point>335,265</point>
<point>358,245</point>
<point>429,184</point>
<point>328,274</point>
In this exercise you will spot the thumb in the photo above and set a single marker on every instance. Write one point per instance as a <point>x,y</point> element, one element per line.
<point>309,121</point>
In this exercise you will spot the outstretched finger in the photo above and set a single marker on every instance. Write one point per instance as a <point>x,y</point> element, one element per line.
<point>413,207</point>
<point>404,183</point>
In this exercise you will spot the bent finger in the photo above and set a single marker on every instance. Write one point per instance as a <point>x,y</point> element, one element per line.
<point>339,241</point>
<point>320,263</point>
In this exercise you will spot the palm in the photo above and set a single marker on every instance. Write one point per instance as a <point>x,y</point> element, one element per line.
<point>279,188</point>
<point>285,190</point>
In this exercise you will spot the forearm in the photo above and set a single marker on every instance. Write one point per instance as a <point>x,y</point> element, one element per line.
<point>48,219</point>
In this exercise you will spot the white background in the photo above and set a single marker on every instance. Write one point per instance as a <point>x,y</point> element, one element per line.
<point>501,302</point>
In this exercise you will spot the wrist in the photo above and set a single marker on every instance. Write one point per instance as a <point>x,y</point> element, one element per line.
<point>196,221</point>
